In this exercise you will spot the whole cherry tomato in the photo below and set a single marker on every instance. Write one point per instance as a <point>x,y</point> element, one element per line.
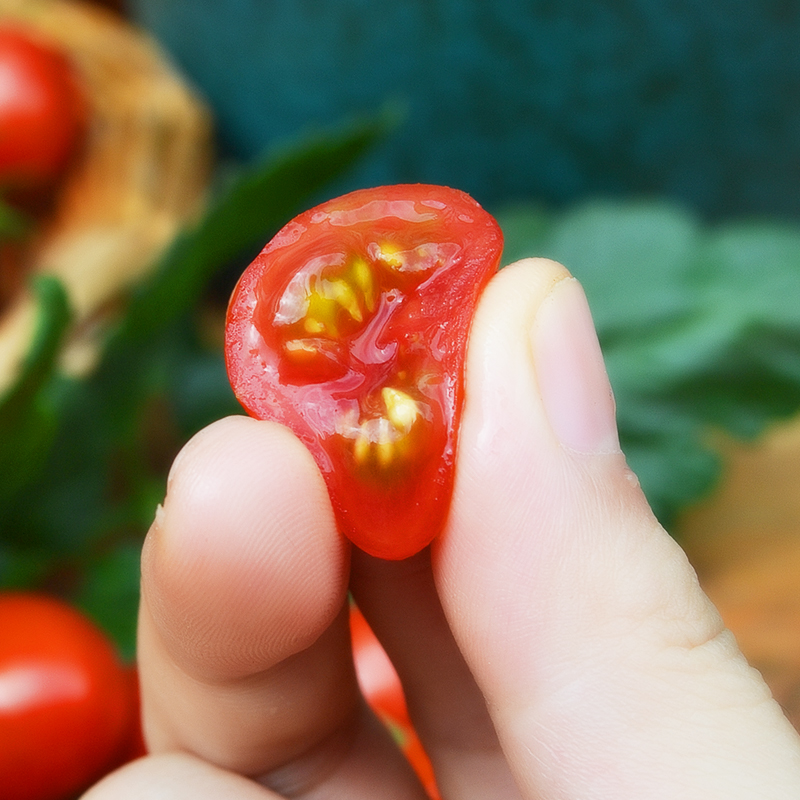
<point>66,702</point>
<point>351,328</point>
<point>43,111</point>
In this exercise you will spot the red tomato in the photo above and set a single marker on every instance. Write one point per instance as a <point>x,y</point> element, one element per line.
<point>351,328</point>
<point>42,111</point>
<point>66,702</point>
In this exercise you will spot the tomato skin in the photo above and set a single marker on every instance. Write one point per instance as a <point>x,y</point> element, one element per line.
<point>351,328</point>
<point>43,111</point>
<point>66,702</point>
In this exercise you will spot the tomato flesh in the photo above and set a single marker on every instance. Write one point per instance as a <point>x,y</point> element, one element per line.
<point>377,677</point>
<point>351,328</point>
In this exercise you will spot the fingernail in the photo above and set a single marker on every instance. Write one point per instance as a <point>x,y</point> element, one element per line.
<point>572,378</point>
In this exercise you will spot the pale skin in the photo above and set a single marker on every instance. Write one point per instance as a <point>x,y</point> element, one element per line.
<point>554,642</point>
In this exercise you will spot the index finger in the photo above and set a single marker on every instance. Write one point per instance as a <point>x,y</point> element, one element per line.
<point>244,647</point>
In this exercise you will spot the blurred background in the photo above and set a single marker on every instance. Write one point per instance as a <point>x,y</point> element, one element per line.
<point>654,148</point>
<point>517,99</point>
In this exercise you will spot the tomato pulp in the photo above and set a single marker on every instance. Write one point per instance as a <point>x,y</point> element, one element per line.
<point>351,328</point>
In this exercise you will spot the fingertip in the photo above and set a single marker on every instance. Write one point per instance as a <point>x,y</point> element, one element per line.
<point>245,543</point>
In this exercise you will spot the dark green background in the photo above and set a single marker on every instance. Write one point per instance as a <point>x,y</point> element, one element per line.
<point>696,100</point>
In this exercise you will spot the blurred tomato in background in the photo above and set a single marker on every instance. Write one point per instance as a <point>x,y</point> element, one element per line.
<point>43,111</point>
<point>68,706</point>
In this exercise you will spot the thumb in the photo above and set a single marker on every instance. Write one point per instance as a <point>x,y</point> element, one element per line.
<point>607,671</point>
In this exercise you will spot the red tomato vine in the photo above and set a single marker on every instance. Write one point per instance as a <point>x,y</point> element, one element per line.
<point>383,691</point>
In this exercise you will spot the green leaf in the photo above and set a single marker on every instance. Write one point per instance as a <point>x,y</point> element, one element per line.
<point>632,258</point>
<point>28,415</point>
<point>700,327</point>
<point>110,594</point>
<point>53,316</point>
<point>254,206</point>
<point>13,224</point>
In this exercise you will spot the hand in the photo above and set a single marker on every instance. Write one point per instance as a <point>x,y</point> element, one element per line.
<point>553,642</point>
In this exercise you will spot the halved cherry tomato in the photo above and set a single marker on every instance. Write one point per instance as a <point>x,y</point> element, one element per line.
<point>351,328</point>
<point>66,702</point>
<point>43,111</point>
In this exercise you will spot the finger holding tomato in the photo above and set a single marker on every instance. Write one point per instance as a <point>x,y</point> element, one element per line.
<point>579,621</point>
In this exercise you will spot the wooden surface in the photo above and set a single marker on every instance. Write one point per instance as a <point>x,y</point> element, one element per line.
<point>141,177</point>
<point>745,544</point>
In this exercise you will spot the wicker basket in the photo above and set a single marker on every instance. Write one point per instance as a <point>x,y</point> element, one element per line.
<point>141,177</point>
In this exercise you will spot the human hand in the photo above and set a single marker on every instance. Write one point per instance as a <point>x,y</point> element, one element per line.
<point>553,642</point>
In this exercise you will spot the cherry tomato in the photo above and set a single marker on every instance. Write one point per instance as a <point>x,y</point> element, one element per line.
<point>42,111</point>
<point>66,702</point>
<point>351,328</point>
